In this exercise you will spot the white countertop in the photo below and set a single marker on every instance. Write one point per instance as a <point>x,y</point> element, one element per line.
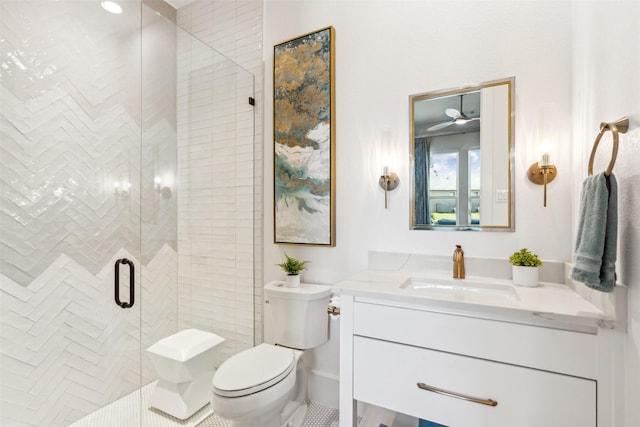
<point>549,304</point>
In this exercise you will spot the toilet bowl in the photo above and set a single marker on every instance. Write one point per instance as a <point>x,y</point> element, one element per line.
<point>261,386</point>
<point>266,385</point>
<point>184,363</point>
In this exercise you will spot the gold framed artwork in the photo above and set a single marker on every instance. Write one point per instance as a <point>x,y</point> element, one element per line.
<point>304,139</point>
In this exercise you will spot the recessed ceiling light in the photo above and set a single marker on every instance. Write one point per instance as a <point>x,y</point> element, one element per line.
<point>112,7</point>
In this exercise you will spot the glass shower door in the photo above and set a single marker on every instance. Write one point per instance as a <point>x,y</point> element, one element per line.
<point>126,173</point>
<point>70,179</point>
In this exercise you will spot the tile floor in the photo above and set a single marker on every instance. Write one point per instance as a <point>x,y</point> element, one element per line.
<point>317,416</point>
<point>125,412</point>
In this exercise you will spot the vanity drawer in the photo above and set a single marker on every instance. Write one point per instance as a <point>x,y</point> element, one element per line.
<point>543,348</point>
<point>386,374</point>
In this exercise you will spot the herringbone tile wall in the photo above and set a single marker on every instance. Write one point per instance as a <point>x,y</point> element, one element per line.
<point>70,130</point>
<point>67,350</point>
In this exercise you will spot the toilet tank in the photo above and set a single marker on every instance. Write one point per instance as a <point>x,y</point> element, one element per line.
<point>298,315</point>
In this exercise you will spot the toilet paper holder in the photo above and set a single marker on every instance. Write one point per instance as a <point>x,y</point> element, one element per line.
<point>333,310</point>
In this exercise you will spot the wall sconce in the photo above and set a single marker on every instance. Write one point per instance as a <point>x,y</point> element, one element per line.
<point>165,191</point>
<point>388,181</point>
<point>120,193</point>
<point>542,173</point>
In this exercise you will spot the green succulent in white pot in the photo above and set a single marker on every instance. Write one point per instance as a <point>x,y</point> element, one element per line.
<point>525,267</point>
<point>293,267</point>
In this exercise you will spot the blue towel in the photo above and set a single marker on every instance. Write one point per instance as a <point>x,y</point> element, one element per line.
<point>594,259</point>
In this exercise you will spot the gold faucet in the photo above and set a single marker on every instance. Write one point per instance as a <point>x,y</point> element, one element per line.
<point>458,263</point>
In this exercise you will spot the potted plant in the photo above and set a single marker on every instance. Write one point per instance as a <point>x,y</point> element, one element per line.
<point>292,267</point>
<point>525,267</point>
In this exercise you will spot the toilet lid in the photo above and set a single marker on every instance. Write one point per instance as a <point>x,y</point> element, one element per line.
<point>253,370</point>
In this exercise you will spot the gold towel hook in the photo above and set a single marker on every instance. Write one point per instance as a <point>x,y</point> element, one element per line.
<point>619,126</point>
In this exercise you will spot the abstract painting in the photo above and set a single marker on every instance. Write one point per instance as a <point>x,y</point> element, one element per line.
<point>304,139</point>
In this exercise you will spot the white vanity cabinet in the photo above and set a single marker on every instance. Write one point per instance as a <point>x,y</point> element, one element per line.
<point>464,371</point>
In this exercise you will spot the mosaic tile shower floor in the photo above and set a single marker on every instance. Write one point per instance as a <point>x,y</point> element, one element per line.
<point>125,412</point>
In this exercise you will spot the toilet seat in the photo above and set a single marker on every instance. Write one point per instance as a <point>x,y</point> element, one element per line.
<point>253,370</point>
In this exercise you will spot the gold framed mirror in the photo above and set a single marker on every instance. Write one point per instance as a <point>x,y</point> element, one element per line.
<point>462,151</point>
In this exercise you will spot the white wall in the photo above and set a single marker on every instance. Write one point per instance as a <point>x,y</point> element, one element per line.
<point>387,50</point>
<point>575,63</point>
<point>606,87</point>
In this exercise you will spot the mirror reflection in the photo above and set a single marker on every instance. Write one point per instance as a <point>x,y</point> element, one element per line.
<point>462,151</point>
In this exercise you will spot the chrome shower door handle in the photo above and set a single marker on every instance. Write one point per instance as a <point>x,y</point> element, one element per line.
<point>132,280</point>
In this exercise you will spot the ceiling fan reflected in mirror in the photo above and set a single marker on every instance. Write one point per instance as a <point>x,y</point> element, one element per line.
<point>457,118</point>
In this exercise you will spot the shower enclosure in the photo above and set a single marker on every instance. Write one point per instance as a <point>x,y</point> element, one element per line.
<point>127,203</point>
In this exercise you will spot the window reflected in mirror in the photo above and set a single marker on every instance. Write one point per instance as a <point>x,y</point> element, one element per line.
<point>462,150</point>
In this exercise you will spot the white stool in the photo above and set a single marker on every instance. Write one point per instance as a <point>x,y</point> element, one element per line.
<point>184,362</point>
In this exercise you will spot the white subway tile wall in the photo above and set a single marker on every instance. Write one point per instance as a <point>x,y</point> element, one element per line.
<point>220,208</point>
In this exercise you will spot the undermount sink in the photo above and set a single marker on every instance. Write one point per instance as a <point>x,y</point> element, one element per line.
<point>460,289</point>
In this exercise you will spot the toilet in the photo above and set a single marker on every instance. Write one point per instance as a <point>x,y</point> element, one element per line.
<point>184,363</point>
<point>266,385</point>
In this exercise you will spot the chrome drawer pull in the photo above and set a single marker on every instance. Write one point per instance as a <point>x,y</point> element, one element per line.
<point>487,402</point>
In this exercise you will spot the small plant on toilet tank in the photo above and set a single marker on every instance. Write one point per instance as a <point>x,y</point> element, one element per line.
<point>293,268</point>
<point>525,267</point>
